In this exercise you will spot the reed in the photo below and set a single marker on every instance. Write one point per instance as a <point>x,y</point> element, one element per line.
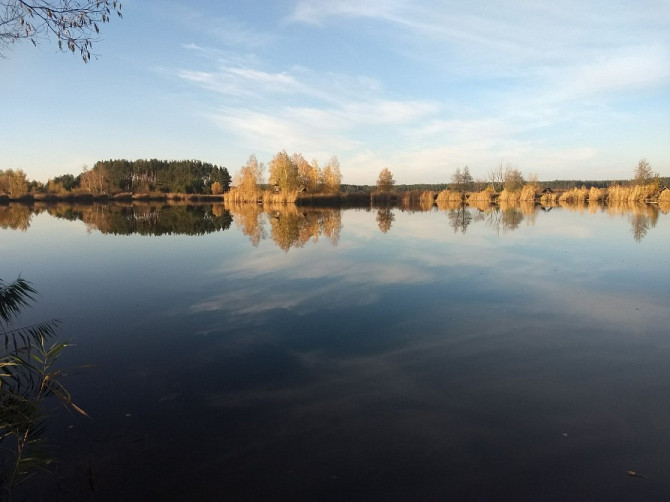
<point>29,377</point>
<point>575,196</point>
<point>448,196</point>
<point>635,193</point>
<point>383,198</point>
<point>642,193</point>
<point>279,197</point>
<point>485,195</point>
<point>235,195</point>
<point>597,194</point>
<point>427,199</point>
<point>527,193</point>
<point>509,196</point>
<point>422,200</point>
<point>549,199</point>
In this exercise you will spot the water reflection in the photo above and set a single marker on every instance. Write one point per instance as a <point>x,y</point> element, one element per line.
<point>290,226</point>
<point>15,217</point>
<point>460,218</point>
<point>642,218</point>
<point>150,219</point>
<point>126,219</point>
<point>385,219</point>
<point>383,369</point>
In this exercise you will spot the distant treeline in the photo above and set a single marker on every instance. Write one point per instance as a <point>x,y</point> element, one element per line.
<point>145,176</point>
<point>554,185</point>
<point>435,187</point>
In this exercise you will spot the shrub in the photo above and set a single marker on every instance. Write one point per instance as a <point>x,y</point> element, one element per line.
<point>448,196</point>
<point>509,196</point>
<point>574,196</point>
<point>596,194</point>
<point>485,195</point>
<point>527,193</point>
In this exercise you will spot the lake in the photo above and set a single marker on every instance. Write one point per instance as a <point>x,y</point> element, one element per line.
<point>520,353</point>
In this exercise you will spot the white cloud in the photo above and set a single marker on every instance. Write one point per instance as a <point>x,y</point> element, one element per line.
<point>316,12</point>
<point>549,74</point>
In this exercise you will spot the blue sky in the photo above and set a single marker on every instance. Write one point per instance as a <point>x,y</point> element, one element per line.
<point>570,89</point>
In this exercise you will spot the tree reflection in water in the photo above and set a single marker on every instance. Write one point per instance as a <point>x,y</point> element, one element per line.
<point>289,225</point>
<point>15,216</point>
<point>385,218</point>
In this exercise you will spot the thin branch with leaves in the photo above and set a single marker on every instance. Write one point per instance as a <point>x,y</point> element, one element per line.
<point>74,24</point>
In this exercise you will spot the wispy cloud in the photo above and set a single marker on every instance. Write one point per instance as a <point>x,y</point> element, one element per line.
<point>241,82</point>
<point>225,29</point>
<point>508,74</point>
<point>319,12</point>
<point>328,109</point>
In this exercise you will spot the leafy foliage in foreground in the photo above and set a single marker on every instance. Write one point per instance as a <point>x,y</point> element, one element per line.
<point>28,376</point>
<point>74,24</point>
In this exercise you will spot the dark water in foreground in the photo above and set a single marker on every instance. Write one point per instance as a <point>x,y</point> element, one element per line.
<point>297,355</point>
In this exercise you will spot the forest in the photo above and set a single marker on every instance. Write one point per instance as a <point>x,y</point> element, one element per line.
<point>124,176</point>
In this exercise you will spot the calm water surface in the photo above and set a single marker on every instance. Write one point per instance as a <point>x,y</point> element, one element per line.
<point>356,355</point>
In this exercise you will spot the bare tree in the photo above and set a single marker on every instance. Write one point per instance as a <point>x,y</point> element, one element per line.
<point>643,173</point>
<point>457,178</point>
<point>497,177</point>
<point>74,24</point>
<point>462,179</point>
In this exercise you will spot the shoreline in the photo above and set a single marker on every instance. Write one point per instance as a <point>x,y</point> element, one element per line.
<point>342,199</point>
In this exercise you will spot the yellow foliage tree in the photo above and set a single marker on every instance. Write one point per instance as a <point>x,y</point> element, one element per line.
<point>332,177</point>
<point>217,189</point>
<point>385,181</point>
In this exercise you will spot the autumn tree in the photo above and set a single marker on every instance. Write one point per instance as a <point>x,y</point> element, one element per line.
<point>643,174</point>
<point>216,189</point>
<point>385,181</point>
<point>13,183</point>
<point>73,24</point>
<point>332,177</point>
<point>284,173</point>
<point>248,179</point>
<point>95,180</point>
<point>304,169</point>
<point>55,187</point>
<point>314,178</point>
<point>513,179</point>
